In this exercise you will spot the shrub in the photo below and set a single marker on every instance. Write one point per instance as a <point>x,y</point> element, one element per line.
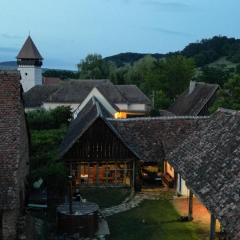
<point>51,119</point>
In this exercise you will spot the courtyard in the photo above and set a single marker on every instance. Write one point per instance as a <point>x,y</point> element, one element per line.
<point>155,218</point>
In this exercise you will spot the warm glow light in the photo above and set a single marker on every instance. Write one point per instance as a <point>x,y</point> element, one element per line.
<point>169,169</point>
<point>118,115</point>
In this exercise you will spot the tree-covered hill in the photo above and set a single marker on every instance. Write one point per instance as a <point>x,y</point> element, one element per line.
<point>122,59</point>
<point>203,52</point>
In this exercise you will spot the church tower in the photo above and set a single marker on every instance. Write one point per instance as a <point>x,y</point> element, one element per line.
<point>29,62</point>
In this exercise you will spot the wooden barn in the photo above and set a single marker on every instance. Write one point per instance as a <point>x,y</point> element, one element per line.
<point>94,151</point>
<point>99,149</point>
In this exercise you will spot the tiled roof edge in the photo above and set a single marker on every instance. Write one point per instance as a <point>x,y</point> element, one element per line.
<point>159,118</point>
<point>226,110</point>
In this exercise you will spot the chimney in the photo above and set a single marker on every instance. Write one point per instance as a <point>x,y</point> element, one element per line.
<point>191,86</point>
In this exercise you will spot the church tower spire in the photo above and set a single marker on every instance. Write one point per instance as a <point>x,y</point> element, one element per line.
<point>29,62</point>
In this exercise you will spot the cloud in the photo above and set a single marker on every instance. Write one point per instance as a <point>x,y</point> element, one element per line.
<point>9,36</point>
<point>8,50</point>
<point>168,31</point>
<point>173,6</point>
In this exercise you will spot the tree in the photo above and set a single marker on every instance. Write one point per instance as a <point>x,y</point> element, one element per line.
<point>94,67</point>
<point>44,156</point>
<point>160,100</point>
<point>175,73</point>
<point>62,74</point>
<point>47,129</point>
<point>229,96</point>
<point>142,74</point>
<point>215,75</point>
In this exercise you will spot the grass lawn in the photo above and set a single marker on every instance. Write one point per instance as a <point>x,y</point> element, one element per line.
<point>105,196</point>
<point>152,220</point>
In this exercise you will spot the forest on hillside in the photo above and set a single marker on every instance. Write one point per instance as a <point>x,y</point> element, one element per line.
<point>162,77</point>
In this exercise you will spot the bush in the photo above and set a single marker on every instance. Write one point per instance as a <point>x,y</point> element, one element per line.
<point>44,155</point>
<point>51,119</point>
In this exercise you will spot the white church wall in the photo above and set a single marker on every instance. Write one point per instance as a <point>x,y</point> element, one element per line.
<point>30,76</point>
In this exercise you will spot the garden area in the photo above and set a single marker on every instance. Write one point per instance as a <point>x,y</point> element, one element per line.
<point>154,220</point>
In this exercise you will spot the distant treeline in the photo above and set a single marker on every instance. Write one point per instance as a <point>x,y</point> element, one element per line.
<point>203,52</point>
<point>162,77</point>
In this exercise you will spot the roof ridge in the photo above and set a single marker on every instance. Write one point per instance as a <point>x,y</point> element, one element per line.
<point>209,84</point>
<point>227,110</point>
<point>158,118</point>
<point>95,101</point>
<point>126,85</point>
<point>210,96</point>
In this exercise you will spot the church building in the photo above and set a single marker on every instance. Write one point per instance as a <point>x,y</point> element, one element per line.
<point>29,62</point>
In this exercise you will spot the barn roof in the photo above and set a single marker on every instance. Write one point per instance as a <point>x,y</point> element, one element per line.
<point>154,138</point>
<point>133,94</point>
<point>150,139</point>
<point>193,100</point>
<point>38,94</point>
<point>76,91</point>
<point>79,125</point>
<point>209,162</point>
<point>51,80</point>
<point>29,51</point>
<point>12,148</point>
<point>86,117</point>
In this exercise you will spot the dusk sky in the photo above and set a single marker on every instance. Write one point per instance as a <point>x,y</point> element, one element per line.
<point>65,31</point>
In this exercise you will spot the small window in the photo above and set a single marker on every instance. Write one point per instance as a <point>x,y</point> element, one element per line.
<point>26,74</point>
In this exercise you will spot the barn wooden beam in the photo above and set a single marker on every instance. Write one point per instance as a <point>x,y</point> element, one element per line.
<point>133,175</point>
<point>212,228</point>
<point>70,190</point>
<point>190,206</point>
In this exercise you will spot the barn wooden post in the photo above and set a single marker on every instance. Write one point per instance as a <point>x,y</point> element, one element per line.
<point>125,173</point>
<point>115,172</point>
<point>190,206</point>
<point>212,227</point>
<point>133,175</point>
<point>70,189</point>
<point>97,173</point>
<point>88,173</point>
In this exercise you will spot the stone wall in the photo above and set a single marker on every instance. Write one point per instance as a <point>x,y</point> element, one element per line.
<point>9,224</point>
<point>14,153</point>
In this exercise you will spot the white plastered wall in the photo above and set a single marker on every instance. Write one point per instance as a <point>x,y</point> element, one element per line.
<point>182,189</point>
<point>95,93</point>
<point>30,76</point>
